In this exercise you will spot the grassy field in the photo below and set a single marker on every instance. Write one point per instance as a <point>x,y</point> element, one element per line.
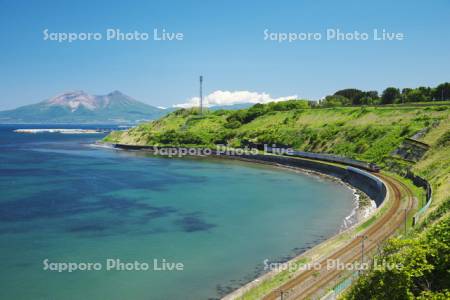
<point>367,133</point>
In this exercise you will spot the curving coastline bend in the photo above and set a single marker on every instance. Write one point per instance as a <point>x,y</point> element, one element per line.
<point>378,187</point>
<point>391,208</point>
<point>375,187</point>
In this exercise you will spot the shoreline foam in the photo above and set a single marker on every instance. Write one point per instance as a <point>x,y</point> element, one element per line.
<point>59,130</point>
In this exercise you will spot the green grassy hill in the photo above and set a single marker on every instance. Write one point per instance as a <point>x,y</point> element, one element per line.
<point>425,252</point>
<point>368,133</point>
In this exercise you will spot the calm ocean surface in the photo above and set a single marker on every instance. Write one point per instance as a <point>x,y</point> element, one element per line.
<point>63,200</point>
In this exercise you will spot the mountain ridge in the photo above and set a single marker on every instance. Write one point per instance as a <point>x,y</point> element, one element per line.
<point>80,107</point>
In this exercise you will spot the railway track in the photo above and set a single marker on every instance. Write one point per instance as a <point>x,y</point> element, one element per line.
<point>310,283</point>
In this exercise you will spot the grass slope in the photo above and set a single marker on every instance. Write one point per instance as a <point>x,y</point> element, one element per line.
<point>367,133</point>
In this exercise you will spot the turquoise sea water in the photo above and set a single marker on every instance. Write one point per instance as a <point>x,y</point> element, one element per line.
<point>63,200</point>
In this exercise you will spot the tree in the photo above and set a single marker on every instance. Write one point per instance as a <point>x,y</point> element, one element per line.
<point>441,92</point>
<point>426,92</point>
<point>413,268</point>
<point>354,95</point>
<point>389,95</point>
<point>169,137</point>
<point>371,94</point>
<point>406,91</point>
<point>420,94</point>
<point>335,100</point>
<point>414,95</point>
<point>253,112</point>
<point>189,138</point>
<point>288,105</point>
<point>370,98</point>
<point>238,115</point>
<point>232,124</point>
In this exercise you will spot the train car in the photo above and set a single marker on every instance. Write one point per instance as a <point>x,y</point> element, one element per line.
<point>331,158</point>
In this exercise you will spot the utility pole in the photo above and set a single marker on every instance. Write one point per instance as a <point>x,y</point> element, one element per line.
<point>363,238</point>
<point>406,218</point>
<point>201,94</point>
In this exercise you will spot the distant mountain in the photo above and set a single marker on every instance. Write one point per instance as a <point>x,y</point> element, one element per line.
<point>80,107</point>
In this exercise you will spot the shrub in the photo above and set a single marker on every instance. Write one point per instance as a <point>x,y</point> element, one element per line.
<point>233,124</point>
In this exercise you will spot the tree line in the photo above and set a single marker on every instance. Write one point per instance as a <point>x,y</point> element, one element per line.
<point>390,95</point>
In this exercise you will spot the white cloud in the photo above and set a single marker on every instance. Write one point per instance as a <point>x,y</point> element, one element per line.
<point>230,98</point>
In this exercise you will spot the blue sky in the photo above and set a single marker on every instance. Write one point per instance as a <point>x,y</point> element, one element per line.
<point>224,41</point>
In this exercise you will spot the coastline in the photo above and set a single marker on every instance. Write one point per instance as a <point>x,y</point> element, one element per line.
<point>315,253</point>
<point>361,211</point>
<point>359,214</point>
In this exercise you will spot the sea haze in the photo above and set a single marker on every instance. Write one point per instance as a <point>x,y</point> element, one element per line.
<point>64,200</point>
